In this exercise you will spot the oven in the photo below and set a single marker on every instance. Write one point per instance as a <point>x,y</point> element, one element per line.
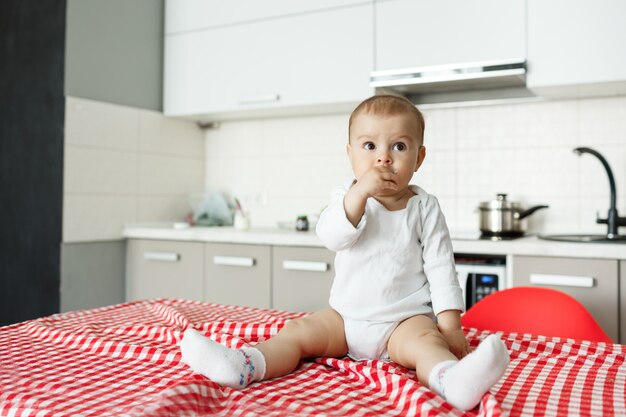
<point>480,275</point>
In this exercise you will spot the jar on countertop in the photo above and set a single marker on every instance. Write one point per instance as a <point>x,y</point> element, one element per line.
<point>302,223</point>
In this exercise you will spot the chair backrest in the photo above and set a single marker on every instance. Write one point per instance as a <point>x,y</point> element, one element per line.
<point>535,310</point>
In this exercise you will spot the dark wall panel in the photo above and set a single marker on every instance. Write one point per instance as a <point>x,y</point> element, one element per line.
<point>32,45</point>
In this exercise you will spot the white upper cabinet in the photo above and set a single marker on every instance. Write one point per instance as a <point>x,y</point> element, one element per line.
<point>241,58</point>
<point>188,15</point>
<point>577,47</point>
<point>420,33</point>
<point>270,66</point>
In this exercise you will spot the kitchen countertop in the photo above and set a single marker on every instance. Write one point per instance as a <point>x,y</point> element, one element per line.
<point>254,235</point>
<point>530,245</point>
<point>533,246</point>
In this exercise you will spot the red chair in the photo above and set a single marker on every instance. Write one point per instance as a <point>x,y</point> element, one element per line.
<point>535,310</point>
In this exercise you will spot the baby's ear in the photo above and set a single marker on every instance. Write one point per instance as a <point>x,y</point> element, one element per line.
<point>421,155</point>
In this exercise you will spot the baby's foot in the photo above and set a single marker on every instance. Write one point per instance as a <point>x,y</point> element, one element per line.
<point>463,383</point>
<point>235,368</point>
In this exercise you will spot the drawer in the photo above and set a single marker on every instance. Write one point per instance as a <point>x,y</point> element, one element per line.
<point>593,282</point>
<point>237,274</point>
<point>164,269</point>
<point>302,278</point>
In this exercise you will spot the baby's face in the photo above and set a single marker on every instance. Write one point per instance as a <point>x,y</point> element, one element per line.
<point>391,141</point>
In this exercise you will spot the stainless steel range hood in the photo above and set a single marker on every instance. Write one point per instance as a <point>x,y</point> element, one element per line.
<point>456,83</point>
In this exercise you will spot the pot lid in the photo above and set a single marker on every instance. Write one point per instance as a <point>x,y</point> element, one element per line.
<point>500,203</point>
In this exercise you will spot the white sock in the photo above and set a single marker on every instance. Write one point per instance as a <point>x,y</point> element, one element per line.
<point>463,383</point>
<point>235,368</point>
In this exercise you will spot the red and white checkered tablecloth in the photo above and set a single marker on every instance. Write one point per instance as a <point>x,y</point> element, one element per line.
<point>123,360</point>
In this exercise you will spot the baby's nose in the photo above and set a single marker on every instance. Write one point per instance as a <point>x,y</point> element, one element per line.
<point>384,159</point>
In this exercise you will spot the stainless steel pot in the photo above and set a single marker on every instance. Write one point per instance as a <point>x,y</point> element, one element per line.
<point>503,218</point>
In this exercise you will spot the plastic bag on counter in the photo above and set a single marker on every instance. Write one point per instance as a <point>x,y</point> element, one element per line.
<point>211,208</point>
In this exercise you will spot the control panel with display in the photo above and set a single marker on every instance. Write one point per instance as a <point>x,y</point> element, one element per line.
<point>480,286</point>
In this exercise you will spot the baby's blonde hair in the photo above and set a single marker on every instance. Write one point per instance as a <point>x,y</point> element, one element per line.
<point>389,105</point>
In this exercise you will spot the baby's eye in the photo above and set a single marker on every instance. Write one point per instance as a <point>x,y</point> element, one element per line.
<point>369,146</point>
<point>399,147</point>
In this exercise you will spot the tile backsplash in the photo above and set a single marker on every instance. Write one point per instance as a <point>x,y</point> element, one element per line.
<point>125,165</point>
<point>280,168</point>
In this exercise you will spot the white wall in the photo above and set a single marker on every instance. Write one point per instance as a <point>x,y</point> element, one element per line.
<point>280,168</point>
<point>125,165</point>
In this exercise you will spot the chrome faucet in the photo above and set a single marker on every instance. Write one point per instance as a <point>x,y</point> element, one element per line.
<point>612,220</point>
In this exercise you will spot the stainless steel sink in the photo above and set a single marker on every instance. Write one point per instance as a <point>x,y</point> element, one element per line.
<point>585,238</point>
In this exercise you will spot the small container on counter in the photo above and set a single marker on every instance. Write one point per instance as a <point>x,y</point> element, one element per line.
<point>302,224</point>
<point>241,220</point>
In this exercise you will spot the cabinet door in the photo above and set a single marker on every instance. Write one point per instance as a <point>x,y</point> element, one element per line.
<point>302,278</point>
<point>418,33</point>
<point>301,61</point>
<point>237,274</point>
<point>593,282</point>
<point>164,269</point>
<point>576,47</point>
<point>201,14</point>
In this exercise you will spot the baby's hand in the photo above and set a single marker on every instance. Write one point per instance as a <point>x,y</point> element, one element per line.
<point>377,180</point>
<point>456,342</point>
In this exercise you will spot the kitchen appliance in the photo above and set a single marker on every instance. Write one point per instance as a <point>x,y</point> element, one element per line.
<point>503,218</point>
<point>471,81</point>
<point>480,275</point>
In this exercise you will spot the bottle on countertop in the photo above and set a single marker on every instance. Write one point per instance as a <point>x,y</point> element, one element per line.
<point>302,223</point>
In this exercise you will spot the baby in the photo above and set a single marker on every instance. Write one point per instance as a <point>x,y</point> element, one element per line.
<point>395,295</point>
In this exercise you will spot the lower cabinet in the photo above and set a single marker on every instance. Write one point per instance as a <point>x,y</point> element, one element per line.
<point>265,276</point>
<point>237,274</point>
<point>593,282</point>
<point>301,278</point>
<point>164,269</point>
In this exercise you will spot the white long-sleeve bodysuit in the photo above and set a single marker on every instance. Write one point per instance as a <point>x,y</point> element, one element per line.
<point>392,266</point>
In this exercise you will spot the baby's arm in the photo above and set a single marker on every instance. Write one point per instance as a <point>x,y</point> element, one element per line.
<point>334,228</point>
<point>438,257</point>
<point>439,267</point>
<point>449,324</point>
<point>354,205</point>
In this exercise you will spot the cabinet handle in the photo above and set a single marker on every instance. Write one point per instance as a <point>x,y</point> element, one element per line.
<point>305,266</point>
<point>265,98</point>
<point>562,280</point>
<point>162,256</point>
<point>233,261</point>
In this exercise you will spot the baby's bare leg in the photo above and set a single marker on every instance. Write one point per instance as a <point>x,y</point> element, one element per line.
<point>320,334</point>
<point>417,344</point>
